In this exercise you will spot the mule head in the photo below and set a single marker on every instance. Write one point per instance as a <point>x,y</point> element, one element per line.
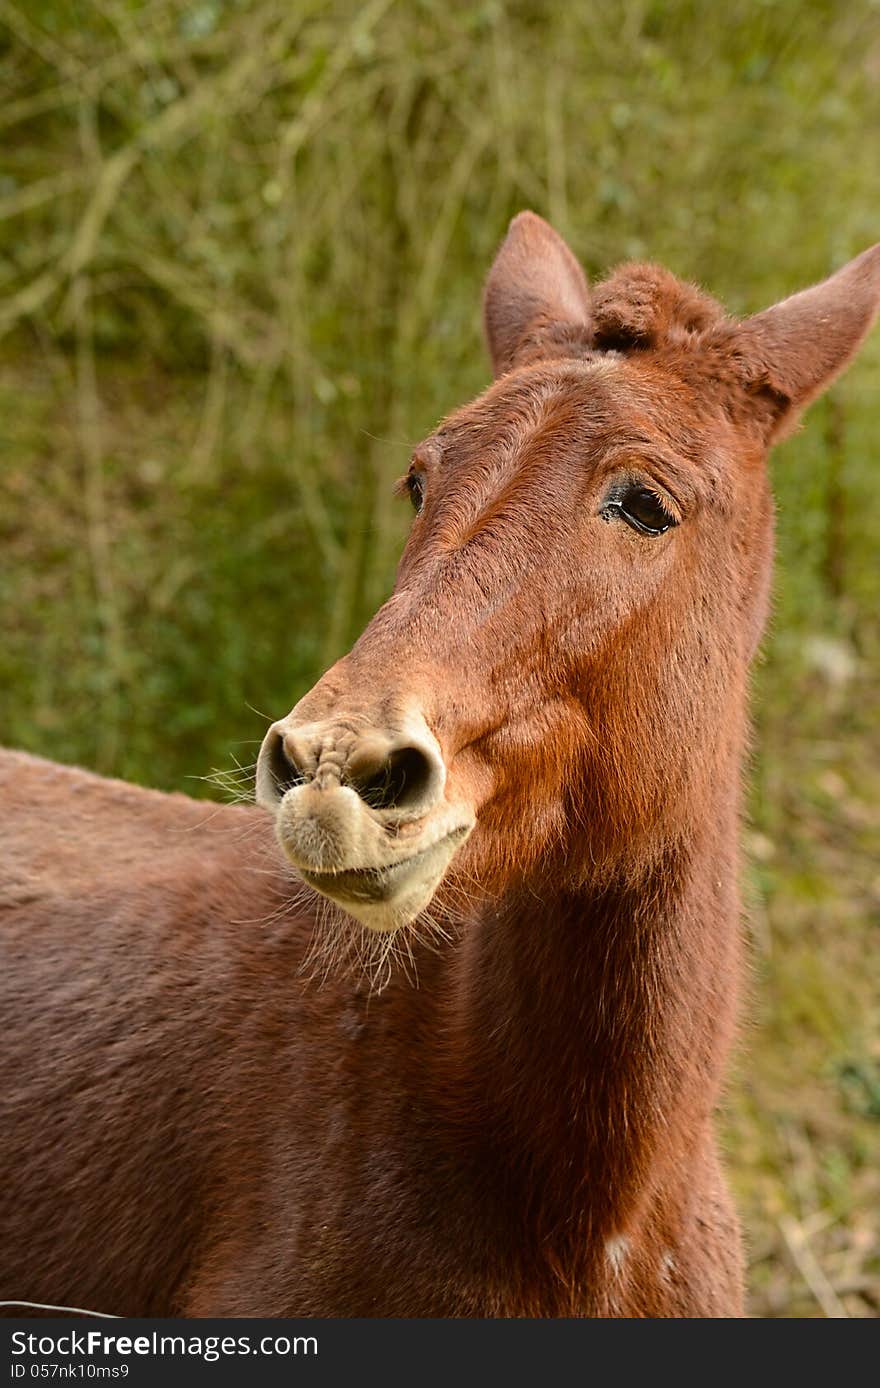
<point>558,677</point>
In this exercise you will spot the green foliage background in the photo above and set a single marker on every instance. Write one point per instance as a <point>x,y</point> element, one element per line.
<point>241,251</point>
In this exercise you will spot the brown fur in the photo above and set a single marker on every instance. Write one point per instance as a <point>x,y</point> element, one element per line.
<point>192,1127</point>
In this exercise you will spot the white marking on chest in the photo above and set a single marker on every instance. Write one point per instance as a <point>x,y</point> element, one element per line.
<point>616,1251</point>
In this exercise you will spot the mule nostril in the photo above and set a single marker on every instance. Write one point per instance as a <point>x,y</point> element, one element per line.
<point>283,769</point>
<point>397,783</point>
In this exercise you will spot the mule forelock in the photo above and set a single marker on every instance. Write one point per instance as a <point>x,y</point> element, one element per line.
<point>641,306</point>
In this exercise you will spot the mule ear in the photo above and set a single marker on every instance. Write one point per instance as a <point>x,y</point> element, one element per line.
<point>536,296</point>
<point>793,351</point>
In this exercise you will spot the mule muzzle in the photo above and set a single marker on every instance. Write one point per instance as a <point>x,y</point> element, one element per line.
<point>362,812</point>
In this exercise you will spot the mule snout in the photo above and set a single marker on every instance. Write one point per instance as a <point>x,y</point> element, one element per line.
<point>360,811</point>
<point>399,774</point>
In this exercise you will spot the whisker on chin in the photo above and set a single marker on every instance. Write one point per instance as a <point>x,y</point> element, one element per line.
<point>342,947</point>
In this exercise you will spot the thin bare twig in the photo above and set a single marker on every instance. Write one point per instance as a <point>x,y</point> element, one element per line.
<point>808,1266</point>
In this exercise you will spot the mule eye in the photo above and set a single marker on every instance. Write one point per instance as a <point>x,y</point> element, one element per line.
<point>642,509</point>
<point>415,485</point>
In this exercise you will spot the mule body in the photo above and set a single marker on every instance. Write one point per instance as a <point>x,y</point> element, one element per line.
<point>439,1027</point>
<point>191,1128</point>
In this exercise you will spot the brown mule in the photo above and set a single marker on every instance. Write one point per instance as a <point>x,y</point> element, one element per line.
<point>521,790</point>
